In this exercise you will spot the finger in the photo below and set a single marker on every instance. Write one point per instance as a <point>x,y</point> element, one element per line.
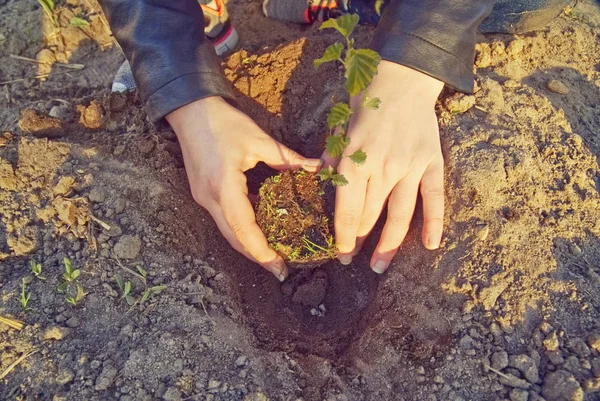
<point>349,203</point>
<point>280,157</point>
<point>377,194</point>
<point>401,207</point>
<point>329,161</point>
<point>217,215</point>
<point>432,192</point>
<point>240,218</point>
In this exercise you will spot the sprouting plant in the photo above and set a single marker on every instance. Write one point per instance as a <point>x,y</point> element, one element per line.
<point>127,289</point>
<point>36,269</point>
<point>24,297</point>
<point>73,290</point>
<point>78,296</point>
<point>48,7</point>
<point>360,67</point>
<point>79,22</point>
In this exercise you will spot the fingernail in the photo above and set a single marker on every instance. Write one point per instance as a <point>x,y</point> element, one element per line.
<point>432,243</point>
<point>345,259</point>
<point>313,163</point>
<point>380,266</point>
<point>281,277</point>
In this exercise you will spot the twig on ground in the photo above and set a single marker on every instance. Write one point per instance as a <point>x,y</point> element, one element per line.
<point>32,60</point>
<point>16,363</point>
<point>15,324</point>
<point>13,81</point>
<point>104,225</point>
<point>128,270</point>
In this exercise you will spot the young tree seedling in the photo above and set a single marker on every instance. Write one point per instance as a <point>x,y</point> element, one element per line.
<point>360,67</point>
<point>24,297</point>
<point>36,269</point>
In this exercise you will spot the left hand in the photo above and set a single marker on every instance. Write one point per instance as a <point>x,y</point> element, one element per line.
<point>404,155</point>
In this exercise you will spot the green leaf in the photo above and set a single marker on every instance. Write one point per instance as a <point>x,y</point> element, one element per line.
<point>369,103</point>
<point>361,67</point>
<point>339,180</point>
<point>158,289</point>
<point>78,22</point>
<point>339,115</point>
<point>130,300</point>
<point>71,300</point>
<point>344,24</point>
<point>336,144</point>
<point>68,265</point>
<point>80,293</point>
<point>325,173</point>
<point>127,289</point>
<point>63,287</point>
<point>378,4</point>
<point>332,53</point>
<point>358,157</point>
<point>141,270</point>
<point>119,281</point>
<point>75,274</point>
<point>145,296</point>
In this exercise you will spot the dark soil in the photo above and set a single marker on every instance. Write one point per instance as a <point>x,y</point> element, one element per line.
<point>292,212</point>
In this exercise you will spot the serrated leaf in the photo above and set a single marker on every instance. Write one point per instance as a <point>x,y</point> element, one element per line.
<point>361,67</point>
<point>339,115</point>
<point>325,173</point>
<point>344,24</point>
<point>371,103</point>
<point>336,144</point>
<point>332,53</point>
<point>358,157</point>
<point>78,22</point>
<point>339,180</point>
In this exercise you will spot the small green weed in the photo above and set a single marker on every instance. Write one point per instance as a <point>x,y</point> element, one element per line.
<point>73,290</point>
<point>25,296</point>
<point>78,297</point>
<point>127,289</point>
<point>79,22</point>
<point>48,7</point>
<point>36,269</point>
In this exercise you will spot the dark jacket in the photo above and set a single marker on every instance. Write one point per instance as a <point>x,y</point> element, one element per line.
<point>174,64</point>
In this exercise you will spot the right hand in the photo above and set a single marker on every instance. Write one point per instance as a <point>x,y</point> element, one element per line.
<point>219,143</point>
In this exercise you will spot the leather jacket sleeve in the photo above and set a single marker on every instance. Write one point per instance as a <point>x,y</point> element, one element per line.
<point>436,37</point>
<point>172,61</point>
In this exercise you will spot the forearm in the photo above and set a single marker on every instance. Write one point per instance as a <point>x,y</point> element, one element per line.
<point>436,37</point>
<point>172,61</point>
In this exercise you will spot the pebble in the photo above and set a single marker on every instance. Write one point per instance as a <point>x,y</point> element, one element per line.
<point>517,394</point>
<point>513,381</point>
<point>526,366</point>
<point>119,149</point>
<point>459,103</point>
<point>578,346</point>
<point>56,333</point>
<point>97,195</point>
<point>561,386</point>
<point>72,322</point>
<point>551,342</point>
<point>467,342</point>
<point>558,87</point>
<point>241,361</point>
<point>594,341</point>
<point>128,247</point>
<point>499,360</point>
<point>213,384</point>
<point>59,111</point>
<point>172,394</point>
<point>106,378</point>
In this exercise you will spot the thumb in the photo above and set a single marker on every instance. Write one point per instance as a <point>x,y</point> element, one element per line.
<point>280,157</point>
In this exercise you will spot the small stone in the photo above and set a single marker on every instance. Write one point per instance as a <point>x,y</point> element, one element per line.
<point>119,149</point>
<point>65,376</point>
<point>106,378</point>
<point>59,111</point>
<point>97,195</point>
<point>517,394</point>
<point>438,379</point>
<point>499,360</point>
<point>128,247</point>
<point>482,232</point>
<point>459,103</point>
<point>578,346</point>
<point>213,384</point>
<point>592,385</point>
<point>420,370</point>
<point>558,87</point>
<point>467,342</point>
<point>561,386</point>
<point>526,366</point>
<point>256,396</point>
<point>241,361</point>
<point>28,279</point>
<point>594,341</point>
<point>555,357</point>
<point>72,322</point>
<point>56,333</point>
<point>172,394</point>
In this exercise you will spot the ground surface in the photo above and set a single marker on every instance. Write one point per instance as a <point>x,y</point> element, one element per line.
<point>508,308</point>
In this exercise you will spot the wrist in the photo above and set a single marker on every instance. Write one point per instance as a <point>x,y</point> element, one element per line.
<point>192,113</point>
<point>408,81</point>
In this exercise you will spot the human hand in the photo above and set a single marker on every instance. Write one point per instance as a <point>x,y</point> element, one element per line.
<point>219,143</point>
<point>402,144</point>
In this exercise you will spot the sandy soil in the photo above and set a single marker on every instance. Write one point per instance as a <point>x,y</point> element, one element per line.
<point>507,309</point>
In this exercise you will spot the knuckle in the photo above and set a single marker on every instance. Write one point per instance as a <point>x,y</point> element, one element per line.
<point>348,218</point>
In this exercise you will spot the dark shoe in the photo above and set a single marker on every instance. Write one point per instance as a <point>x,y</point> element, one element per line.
<point>509,16</point>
